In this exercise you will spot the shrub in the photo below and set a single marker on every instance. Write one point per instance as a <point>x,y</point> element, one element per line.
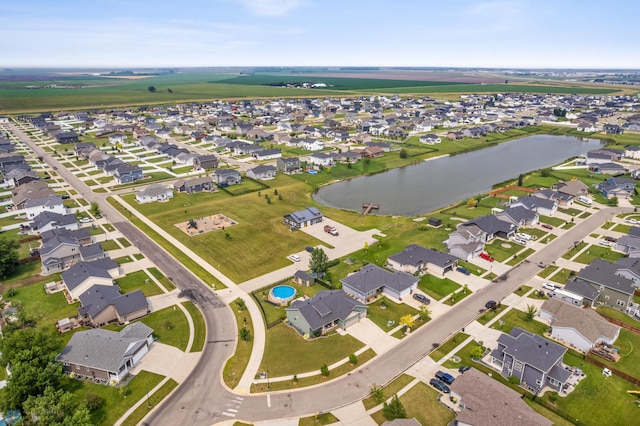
<point>324,370</point>
<point>353,359</point>
<point>514,380</point>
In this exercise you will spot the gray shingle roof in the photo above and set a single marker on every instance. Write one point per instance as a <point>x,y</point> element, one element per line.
<point>604,273</point>
<point>153,190</point>
<point>532,349</point>
<point>82,271</point>
<point>47,217</point>
<point>103,349</point>
<point>305,215</point>
<point>372,277</point>
<point>491,224</point>
<point>91,250</point>
<point>99,297</point>
<point>587,322</point>
<point>415,255</point>
<point>325,307</point>
<point>581,288</point>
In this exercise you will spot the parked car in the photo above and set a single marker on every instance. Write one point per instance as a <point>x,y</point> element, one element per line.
<point>309,249</point>
<point>520,241</point>
<point>524,236</point>
<point>549,286</point>
<point>463,368</point>
<point>491,304</point>
<point>486,256</point>
<point>86,220</point>
<point>444,377</point>
<point>605,243</point>
<point>439,385</point>
<point>545,226</point>
<point>65,197</point>
<point>610,239</point>
<point>421,298</point>
<point>463,270</point>
<point>631,220</point>
<point>295,258</point>
<point>330,230</point>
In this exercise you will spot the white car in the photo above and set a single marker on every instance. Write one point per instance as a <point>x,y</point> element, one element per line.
<point>295,258</point>
<point>86,220</point>
<point>631,220</point>
<point>523,236</point>
<point>520,241</point>
<point>605,243</point>
<point>549,286</point>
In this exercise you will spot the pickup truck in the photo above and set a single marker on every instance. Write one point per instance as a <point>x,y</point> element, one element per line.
<point>330,230</point>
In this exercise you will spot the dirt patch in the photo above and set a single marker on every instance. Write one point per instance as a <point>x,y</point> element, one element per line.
<point>205,224</point>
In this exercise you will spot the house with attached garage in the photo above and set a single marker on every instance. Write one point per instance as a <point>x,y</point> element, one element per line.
<point>617,187</point>
<point>47,221</point>
<point>629,245</point>
<point>83,275</point>
<point>600,284</point>
<point>127,174</point>
<point>534,360</point>
<point>104,304</point>
<point>518,216</point>
<point>575,188</point>
<point>198,184</point>
<point>262,172</point>
<point>322,159</point>
<point>430,139</point>
<point>468,240</point>
<point>539,204</point>
<point>372,280</point>
<point>106,356</point>
<point>266,154</point>
<point>52,203</point>
<point>560,199</point>
<point>301,218</point>
<point>577,327</point>
<point>313,145</point>
<point>154,192</point>
<point>324,312</point>
<point>226,177</point>
<point>288,165</point>
<point>632,151</point>
<point>415,259</point>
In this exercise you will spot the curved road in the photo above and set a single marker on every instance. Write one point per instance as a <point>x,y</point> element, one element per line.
<point>201,398</point>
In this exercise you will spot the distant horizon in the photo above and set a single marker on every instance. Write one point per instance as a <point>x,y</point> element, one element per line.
<point>503,34</point>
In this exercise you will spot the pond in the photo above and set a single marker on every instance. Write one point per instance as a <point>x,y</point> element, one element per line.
<point>430,185</point>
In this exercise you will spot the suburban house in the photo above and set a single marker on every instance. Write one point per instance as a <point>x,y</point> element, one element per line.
<point>198,184</point>
<point>629,267</point>
<point>608,169</point>
<point>534,360</point>
<point>418,260</point>
<point>47,221</point>
<point>301,218</point>
<point>468,240</point>
<point>266,154</point>
<point>17,177</point>
<point>205,162</point>
<point>106,356</point>
<point>313,145</point>
<point>578,327</point>
<point>322,159</point>
<point>52,203</point>
<point>262,172</point>
<point>288,165</point>
<point>326,311</point>
<point>484,401</point>
<point>372,280</point>
<point>600,284</point>
<point>127,174</point>
<point>58,253</point>
<point>575,188</point>
<point>559,198</point>
<point>226,177</point>
<point>617,187</point>
<point>103,304</point>
<point>632,151</point>
<point>629,245</point>
<point>83,275</point>
<point>154,192</point>
<point>430,139</point>
<point>540,204</point>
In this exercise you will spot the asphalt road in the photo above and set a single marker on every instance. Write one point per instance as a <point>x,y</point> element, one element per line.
<point>202,399</point>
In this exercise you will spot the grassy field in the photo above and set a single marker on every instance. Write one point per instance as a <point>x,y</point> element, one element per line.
<point>169,326</point>
<point>138,280</point>
<point>153,400</point>
<point>491,314</point>
<point>598,252</point>
<point>496,88</point>
<point>389,315</point>
<point>437,288</point>
<point>516,318</point>
<point>421,402</point>
<point>562,276</point>
<point>303,356</point>
<point>628,343</point>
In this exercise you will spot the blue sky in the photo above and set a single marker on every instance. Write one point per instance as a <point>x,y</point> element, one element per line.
<point>455,33</point>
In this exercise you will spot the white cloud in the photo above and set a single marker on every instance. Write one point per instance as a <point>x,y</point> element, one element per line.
<point>271,7</point>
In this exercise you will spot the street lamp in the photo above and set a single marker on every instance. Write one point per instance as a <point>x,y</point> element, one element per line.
<point>268,386</point>
<point>148,400</point>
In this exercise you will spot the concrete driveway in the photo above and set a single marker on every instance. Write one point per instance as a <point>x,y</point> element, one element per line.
<point>348,240</point>
<point>168,361</point>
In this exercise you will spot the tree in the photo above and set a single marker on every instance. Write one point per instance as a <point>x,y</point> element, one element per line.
<point>545,172</point>
<point>31,354</point>
<point>152,89</point>
<point>477,351</point>
<point>8,256</point>
<point>324,370</point>
<point>318,261</point>
<point>57,408</point>
<point>424,313</point>
<point>376,393</point>
<point>353,359</point>
<point>245,334</point>
<point>366,246</point>
<point>514,380</point>
<point>407,321</point>
<point>530,313</point>
<point>520,179</point>
<point>394,409</point>
<point>403,153</point>
<point>95,209</point>
<point>169,90</point>
<point>240,303</point>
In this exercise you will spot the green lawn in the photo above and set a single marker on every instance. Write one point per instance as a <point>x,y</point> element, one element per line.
<point>150,402</point>
<point>553,221</point>
<point>389,390</point>
<point>442,350</point>
<point>458,296</point>
<point>318,419</point>
<point>200,328</point>
<point>114,405</point>
<point>437,288</point>
<point>138,280</point>
<point>629,362</point>
<point>109,245</point>
<point>575,250</point>
<point>598,252</point>
<point>547,271</point>
<point>522,290</point>
<point>563,276</point>
<point>169,326</point>
<point>617,315</point>
<point>502,250</point>
<point>516,318</point>
<point>520,257</point>
<point>622,228</point>
<point>491,314</point>
<point>421,402</point>
<point>235,366</point>
<point>45,308</point>
<point>303,355</point>
<point>160,277</point>
<point>124,242</point>
<point>392,312</point>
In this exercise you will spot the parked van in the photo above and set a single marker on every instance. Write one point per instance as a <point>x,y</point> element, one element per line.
<point>585,200</point>
<point>445,377</point>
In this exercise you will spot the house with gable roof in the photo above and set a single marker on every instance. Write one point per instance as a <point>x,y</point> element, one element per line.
<point>600,283</point>
<point>415,259</point>
<point>154,192</point>
<point>106,356</point>
<point>83,275</point>
<point>326,311</point>
<point>104,304</point>
<point>301,218</point>
<point>372,280</point>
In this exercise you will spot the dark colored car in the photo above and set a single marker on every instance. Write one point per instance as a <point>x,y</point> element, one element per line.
<point>66,197</point>
<point>545,226</point>
<point>444,377</point>
<point>309,249</point>
<point>421,298</point>
<point>463,368</point>
<point>463,270</point>
<point>439,385</point>
<point>610,239</point>
<point>491,304</point>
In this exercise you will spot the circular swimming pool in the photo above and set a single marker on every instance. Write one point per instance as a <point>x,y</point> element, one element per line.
<point>282,294</point>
